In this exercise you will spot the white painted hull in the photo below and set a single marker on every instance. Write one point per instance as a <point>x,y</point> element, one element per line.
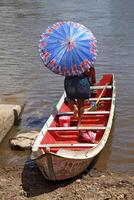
<point>58,168</point>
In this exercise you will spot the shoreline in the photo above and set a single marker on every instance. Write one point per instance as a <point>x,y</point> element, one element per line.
<point>21,183</point>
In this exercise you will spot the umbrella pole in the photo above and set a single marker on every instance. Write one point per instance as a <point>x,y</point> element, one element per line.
<point>94,107</point>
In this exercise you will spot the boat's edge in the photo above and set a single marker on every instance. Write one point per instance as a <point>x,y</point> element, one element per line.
<point>46,125</point>
<point>96,150</point>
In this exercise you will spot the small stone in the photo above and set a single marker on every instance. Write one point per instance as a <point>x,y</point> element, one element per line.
<point>78,181</point>
<point>83,189</point>
<point>121,196</point>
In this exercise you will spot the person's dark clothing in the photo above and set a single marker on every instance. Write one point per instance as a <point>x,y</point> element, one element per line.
<point>77,87</point>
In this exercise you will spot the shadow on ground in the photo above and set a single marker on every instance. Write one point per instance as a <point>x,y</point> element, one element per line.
<point>35,184</point>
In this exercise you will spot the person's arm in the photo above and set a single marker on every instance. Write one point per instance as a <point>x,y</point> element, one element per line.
<point>92,75</point>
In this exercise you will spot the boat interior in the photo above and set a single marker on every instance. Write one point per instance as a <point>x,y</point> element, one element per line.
<point>94,120</point>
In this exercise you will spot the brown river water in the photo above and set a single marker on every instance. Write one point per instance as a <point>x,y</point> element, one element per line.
<point>24,79</point>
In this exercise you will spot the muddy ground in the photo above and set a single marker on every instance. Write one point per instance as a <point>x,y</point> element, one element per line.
<point>21,183</point>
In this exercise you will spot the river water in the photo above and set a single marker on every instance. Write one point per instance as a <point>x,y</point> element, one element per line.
<point>24,79</point>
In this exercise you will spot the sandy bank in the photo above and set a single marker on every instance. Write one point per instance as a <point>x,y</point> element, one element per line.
<point>28,183</point>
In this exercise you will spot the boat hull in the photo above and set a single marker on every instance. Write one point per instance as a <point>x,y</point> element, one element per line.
<point>57,150</point>
<point>59,168</point>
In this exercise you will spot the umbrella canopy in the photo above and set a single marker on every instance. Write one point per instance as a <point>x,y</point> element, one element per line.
<point>68,48</point>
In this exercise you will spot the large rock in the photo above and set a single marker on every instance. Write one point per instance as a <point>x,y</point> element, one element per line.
<point>24,141</point>
<point>9,115</point>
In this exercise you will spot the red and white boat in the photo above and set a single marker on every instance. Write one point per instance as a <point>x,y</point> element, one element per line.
<point>60,151</point>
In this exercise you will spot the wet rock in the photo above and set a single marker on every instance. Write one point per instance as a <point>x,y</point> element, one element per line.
<point>9,115</point>
<point>23,141</point>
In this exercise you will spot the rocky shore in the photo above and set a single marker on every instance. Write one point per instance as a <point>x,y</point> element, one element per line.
<point>21,183</point>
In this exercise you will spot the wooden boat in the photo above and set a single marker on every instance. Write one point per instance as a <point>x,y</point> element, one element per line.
<point>58,151</point>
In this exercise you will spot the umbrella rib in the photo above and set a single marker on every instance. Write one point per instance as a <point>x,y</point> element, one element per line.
<point>56,37</point>
<point>56,55</point>
<point>79,55</point>
<point>79,35</point>
<point>62,56</point>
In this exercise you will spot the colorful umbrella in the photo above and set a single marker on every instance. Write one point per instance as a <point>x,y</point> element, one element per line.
<point>68,48</point>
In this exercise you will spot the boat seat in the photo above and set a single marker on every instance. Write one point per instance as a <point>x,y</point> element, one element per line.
<point>55,148</point>
<point>77,128</point>
<point>86,112</point>
<point>85,145</point>
<point>100,87</point>
<point>101,99</point>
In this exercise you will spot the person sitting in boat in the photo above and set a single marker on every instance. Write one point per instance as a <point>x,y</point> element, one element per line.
<point>77,90</point>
